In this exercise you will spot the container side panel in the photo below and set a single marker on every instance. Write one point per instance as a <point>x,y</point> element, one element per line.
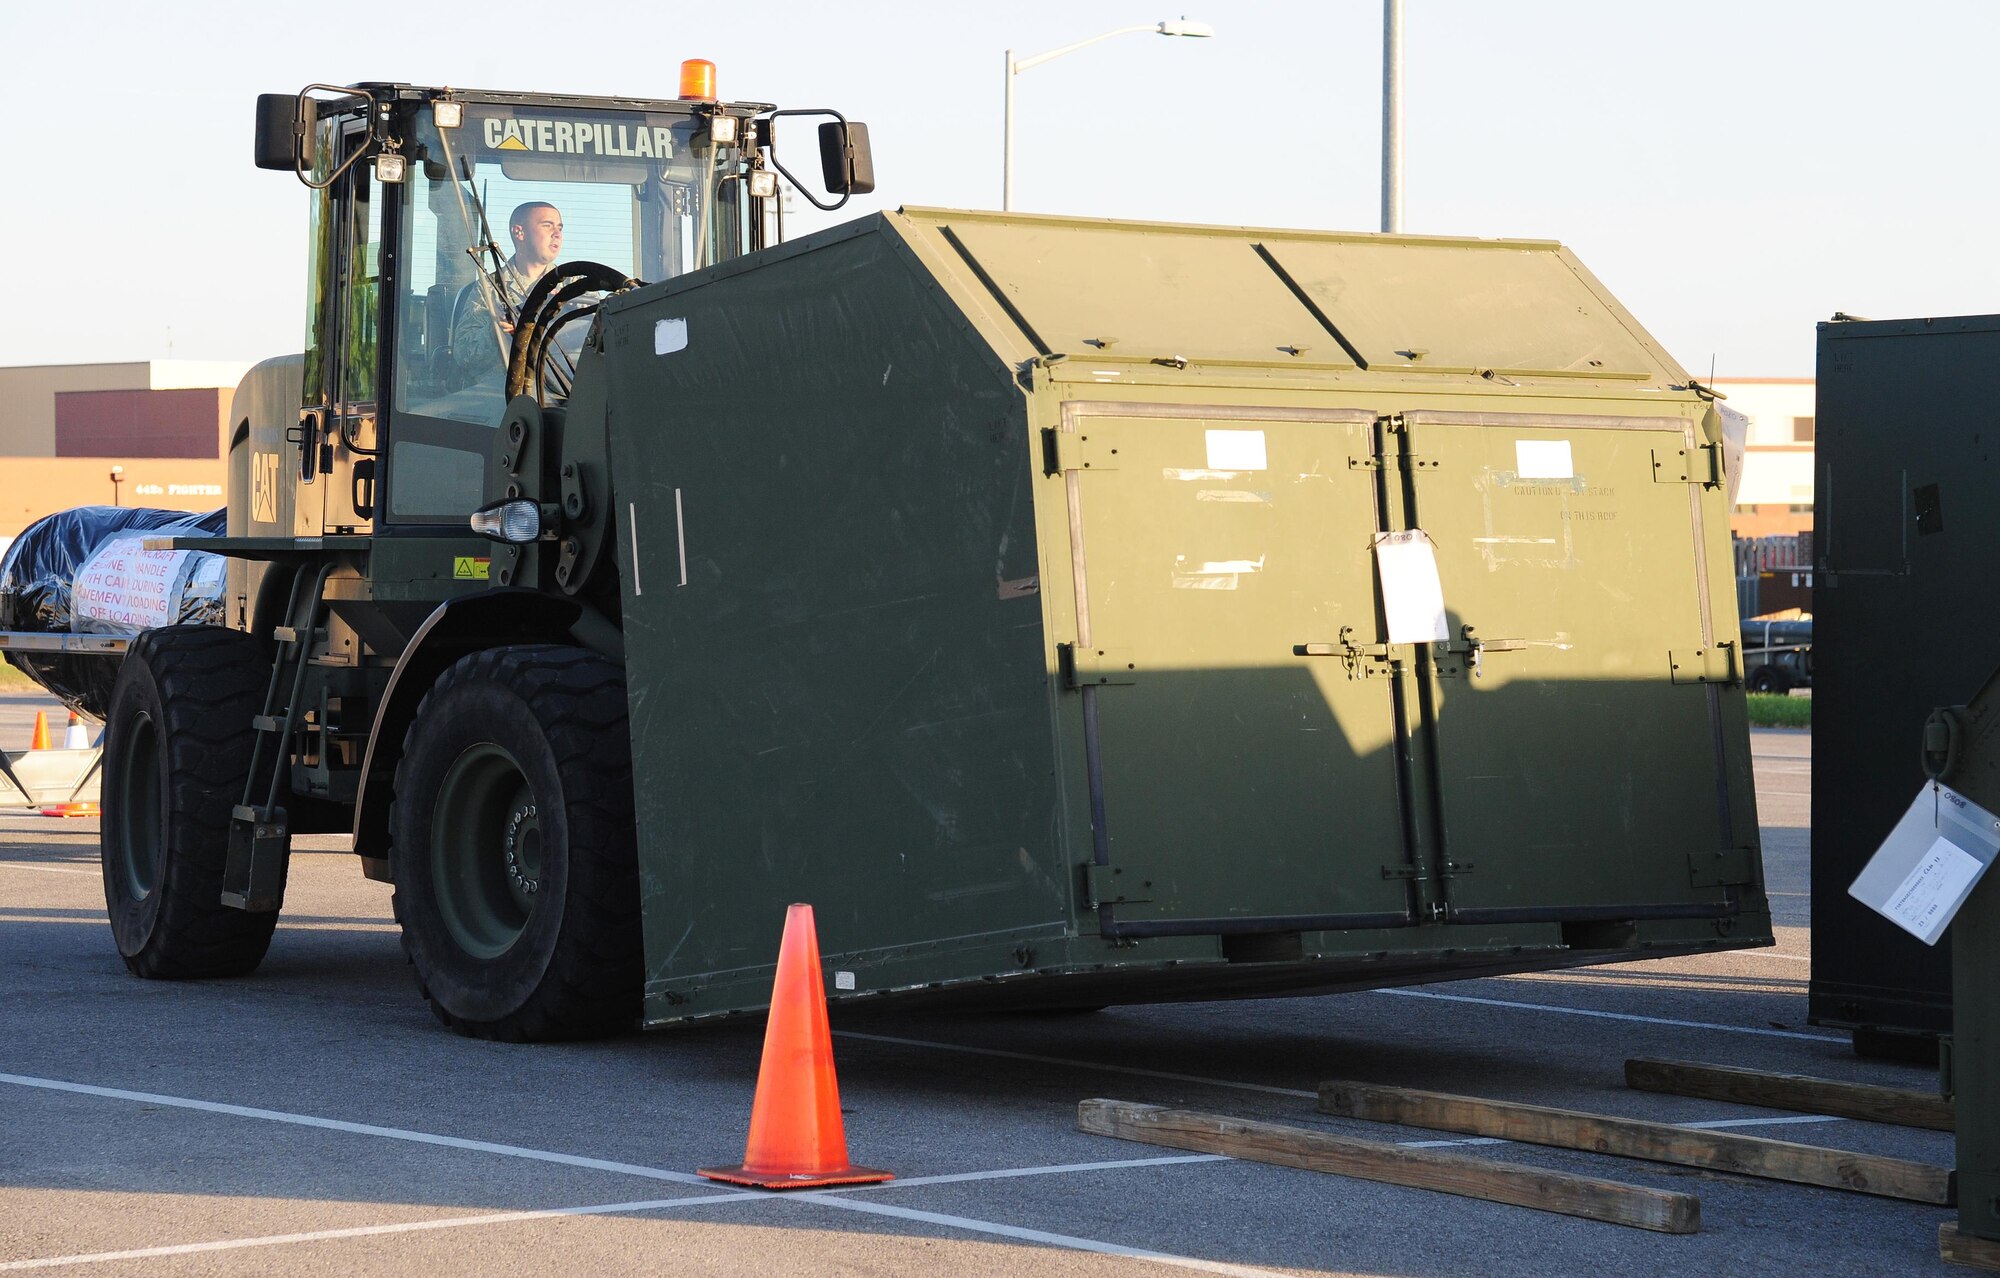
<point>838,677</point>
<point>1514,309</point>
<point>1153,293</point>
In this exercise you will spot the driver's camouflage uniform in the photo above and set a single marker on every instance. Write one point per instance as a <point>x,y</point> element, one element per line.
<point>473,345</point>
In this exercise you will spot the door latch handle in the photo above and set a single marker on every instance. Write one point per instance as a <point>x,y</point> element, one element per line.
<point>1475,649</point>
<point>1351,654</point>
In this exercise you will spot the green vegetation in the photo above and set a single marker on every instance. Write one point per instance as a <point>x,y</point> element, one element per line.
<point>12,680</point>
<point>1776,710</point>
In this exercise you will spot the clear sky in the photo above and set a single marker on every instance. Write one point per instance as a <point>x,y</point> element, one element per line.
<point>1733,171</point>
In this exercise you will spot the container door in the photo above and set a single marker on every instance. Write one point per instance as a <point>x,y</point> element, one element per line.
<point>1575,707</point>
<point>1242,778</point>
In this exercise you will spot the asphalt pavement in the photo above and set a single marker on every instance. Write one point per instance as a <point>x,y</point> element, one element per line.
<point>312,1118</point>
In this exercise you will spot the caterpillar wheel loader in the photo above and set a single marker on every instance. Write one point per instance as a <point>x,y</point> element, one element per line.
<point>1075,612</point>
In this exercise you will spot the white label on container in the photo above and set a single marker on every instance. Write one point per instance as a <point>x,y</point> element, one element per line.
<point>1236,450</point>
<point>1543,459</point>
<point>670,335</point>
<point>1412,594</point>
<point>843,980</point>
<point>1929,894</point>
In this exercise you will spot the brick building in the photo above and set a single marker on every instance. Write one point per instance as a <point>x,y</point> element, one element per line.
<point>153,433</point>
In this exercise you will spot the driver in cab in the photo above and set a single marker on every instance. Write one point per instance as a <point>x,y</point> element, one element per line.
<point>537,230</point>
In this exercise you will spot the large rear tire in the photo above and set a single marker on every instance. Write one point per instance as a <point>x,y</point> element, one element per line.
<point>513,849</point>
<point>176,753</point>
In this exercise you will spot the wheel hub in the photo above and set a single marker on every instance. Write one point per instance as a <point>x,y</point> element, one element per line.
<point>486,851</point>
<point>523,844</point>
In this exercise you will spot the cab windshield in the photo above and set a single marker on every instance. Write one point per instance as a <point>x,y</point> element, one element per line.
<point>514,191</point>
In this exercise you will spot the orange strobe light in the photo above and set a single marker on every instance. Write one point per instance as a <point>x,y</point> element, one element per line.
<point>697,80</point>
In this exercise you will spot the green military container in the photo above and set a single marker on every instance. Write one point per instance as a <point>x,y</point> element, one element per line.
<point>1082,612</point>
<point>1908,537</point>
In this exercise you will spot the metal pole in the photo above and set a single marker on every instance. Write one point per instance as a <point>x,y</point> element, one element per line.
<point>1392,115</point>
<point>1007,160</point>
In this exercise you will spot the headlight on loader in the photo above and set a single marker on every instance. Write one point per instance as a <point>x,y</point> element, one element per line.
<point>515,520</point>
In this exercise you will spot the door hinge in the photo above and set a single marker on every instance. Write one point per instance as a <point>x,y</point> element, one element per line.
<point>1114,885</point>
<point>1400,461</point>
<point>1699,465</point>
<point>1080,450</point>
<point>1724,867</point>
<point>1715,664</point>
<point>1094,667</point>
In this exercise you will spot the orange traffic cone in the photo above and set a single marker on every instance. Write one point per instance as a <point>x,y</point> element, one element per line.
<point>796,1140</point>
<point>71,741</point>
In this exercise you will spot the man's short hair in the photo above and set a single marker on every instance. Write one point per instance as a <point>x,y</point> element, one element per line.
<point>519,217</point>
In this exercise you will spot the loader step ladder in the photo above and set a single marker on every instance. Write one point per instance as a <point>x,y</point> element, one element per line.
<point>260,839</point>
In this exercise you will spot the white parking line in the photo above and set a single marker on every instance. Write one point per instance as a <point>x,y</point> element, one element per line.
<point>49,869</point>
<point>841,1201</point>
<point>357,1129</point>
<point>1780,1121</point>
<point>367,1231</point>
<point>1038,1236</point>
<point>1015,1173</point>
<point>1612,1016</point>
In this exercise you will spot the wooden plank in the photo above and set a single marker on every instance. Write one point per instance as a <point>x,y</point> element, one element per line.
<point>1967,1249</point>
<point>1494,1181</point>
<point>1800,1092</point>
<point>1637,1138</point>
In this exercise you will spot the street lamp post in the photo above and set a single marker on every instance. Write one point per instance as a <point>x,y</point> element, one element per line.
<point>1177,27</point>
<point>117,478</point>
<point>1392,115</point>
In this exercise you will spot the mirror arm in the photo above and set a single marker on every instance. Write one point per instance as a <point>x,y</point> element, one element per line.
<point>771,153</point>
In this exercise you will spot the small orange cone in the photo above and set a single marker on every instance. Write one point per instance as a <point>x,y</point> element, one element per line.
<point>796,1140</point>
<point>70,742</point>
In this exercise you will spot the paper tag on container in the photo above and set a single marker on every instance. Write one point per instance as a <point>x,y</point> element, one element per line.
<point>1927,867</point>
<point>1412,594</point>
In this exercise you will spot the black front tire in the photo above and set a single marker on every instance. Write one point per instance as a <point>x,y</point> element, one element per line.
<point>176,753</point>
<point>513,849</point>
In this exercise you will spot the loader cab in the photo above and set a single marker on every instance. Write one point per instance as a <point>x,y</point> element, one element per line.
<point>419,260</point>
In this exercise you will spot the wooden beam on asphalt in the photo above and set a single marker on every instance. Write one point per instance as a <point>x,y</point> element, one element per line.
<point>1499,1182</point>
<point>1799,1092</point>
<point>1967,1249</point>
<point>1637,1138</point>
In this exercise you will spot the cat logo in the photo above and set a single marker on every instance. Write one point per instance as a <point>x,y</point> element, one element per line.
<point>637,137</point>
<point>264,488</point>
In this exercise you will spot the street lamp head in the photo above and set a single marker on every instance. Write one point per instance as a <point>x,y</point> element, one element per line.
<point>1182,27</point>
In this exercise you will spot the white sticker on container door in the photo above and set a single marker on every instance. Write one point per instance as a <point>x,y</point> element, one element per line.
<point>1543,459</point>
<point>1236,450</point>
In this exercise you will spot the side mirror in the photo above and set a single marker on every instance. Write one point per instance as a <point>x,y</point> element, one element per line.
<point>844,158</point>
<point>286,127</point>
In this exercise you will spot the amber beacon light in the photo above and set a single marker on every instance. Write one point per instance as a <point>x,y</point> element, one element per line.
<point>697,80</point>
